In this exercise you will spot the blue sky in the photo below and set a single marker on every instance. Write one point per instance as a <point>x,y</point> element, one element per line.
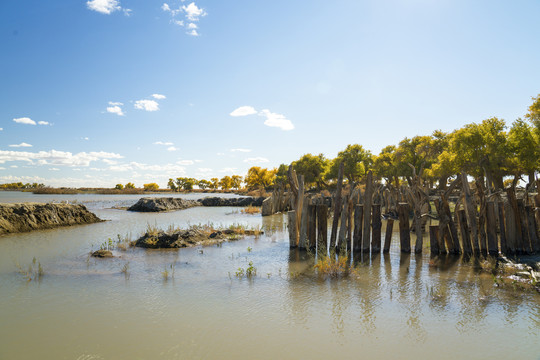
<point>143,90</point>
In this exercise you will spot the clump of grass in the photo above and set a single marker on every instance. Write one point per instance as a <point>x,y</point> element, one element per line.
<point>332,265</point>
<point>250,272</point>
<point>124,242</point>
<point>152,230</point>
<point>168,271</point>
<point>34,272</point>
<point>251,210</point>
<point>125,270</point>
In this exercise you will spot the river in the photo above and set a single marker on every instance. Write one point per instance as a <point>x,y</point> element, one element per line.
<point>393,306</point>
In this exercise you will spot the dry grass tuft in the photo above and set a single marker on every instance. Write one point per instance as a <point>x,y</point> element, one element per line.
<point>251,210</point>
<point>332,266</point>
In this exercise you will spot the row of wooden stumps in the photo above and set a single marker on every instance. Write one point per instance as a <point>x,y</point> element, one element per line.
<point>355,226</point>
<point>506,227</point>
<point>499,227</point>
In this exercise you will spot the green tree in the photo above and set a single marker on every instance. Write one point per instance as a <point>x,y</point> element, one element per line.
<point>525,149</point>
<point>215,183</point>
<point>172,185</point>
<point>356,163</point>
<point>385,165</point>
<point>129,185</point>
<point>119,187</point>
<point>313,168</point>
<point>281,176</point>
<point>534,113</point>
<point>482,149</point>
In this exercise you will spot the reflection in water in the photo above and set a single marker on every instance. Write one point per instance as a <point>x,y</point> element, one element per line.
<point>87,307</point>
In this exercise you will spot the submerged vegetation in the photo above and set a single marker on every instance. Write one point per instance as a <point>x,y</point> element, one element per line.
<point>34,271</point>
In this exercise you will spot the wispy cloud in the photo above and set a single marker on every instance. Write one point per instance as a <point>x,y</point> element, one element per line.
<point>276,120</point>
<point>159,96</point>
<point>147,105</point>
<point>228,170</point>
<point>43,123</point>
<point>164,143</point>
<point>185,162</point>
<point>243,111</point>
<point>24,120</point>
<point>256,160</point>
<point>55,157</point>
<point>104,6</point>
<point>272,119</point>
<point>115,108</point>
<point>23,144</point>
<point>192,14</point>
<point>241,150</point>
<point>172,148</point>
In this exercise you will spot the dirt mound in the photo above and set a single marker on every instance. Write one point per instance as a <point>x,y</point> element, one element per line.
<point>35,216</point>
<point>162,204</point>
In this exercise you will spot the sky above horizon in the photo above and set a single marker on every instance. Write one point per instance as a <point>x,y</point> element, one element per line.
<point>101,92</point>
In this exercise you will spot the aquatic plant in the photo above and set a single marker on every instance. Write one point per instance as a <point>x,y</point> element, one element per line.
<point>34,272</point>
<point>125,270</point>
<point>251,210</point>
<point>332,265</point>
<point>249,272</point>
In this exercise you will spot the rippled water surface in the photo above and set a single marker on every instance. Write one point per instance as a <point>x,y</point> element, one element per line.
<point>393,307</point>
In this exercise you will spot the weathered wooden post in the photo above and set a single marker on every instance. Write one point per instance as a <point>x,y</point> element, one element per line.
<point>368,195</point>
<point>525,241</point>
<point>533,231</point>
<point>376,229</point>
<point>511,230</point>
<point>482,235</point>
<point>312,226</point>
<point>291,216</point>
<point>303,241</point>
<point>358,221</point>
<point>470,210</point>
<point>388,235</point>
<point>404,230</point>
<point>502,228</point>
<point>491,223</point>
<point>322,227</point>
<point>465,235</point>
<point>514,229</point>
<point>434,239</point>
<point>337,206</point>
<point>341,239</point>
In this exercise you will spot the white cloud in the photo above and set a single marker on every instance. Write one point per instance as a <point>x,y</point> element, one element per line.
<point>86,138</point>
<point>192,26</point>
<point>54,157</point>
<point>241,150</point>
<point>14,166</point>
<point>104,6</point>
<point>148,105</point>
<point>165,7</point>
<point>276,120</point>
<point>43,123</point>
<point>178,22</point>
<point>243,111</point>
<point>256,160</point>
<point>193,33</point>
<point>1,129</point>
<point>220,154</point>
<point>163,143</point>
<point>54,169</point>
<point>109,162</point>
<point>25,120</point>
<point>171,148</point>
<point>23,144</point>
<point>115,108</point>
<point>193,12</point>
<point>228,170</point>
<point>132,166</point>
<point>185,162</point>
<point>159,96</point>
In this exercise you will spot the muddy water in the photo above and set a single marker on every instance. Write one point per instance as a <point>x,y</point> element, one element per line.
<point>393,307</point>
